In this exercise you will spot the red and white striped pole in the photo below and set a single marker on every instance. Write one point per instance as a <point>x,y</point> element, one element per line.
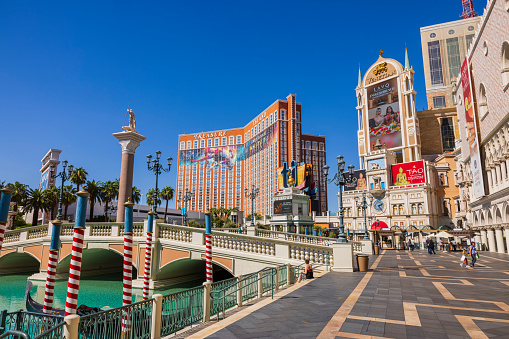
<point>5,202</point>
<point>73,285</point>
<point>52,266</point>
<point>148,255</point>
<point>208,247</point>
<point>127,281</point>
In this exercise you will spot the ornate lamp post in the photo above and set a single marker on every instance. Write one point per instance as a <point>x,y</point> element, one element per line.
<point>252,195</point>
<point>188,195</point>
<point>65,176</point>
<point>157,169</point>
<point>339,180</point>
<point>111,210</point>
<point>364,204</point>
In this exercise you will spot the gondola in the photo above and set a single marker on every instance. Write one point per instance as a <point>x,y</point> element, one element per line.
<point>35,307</point>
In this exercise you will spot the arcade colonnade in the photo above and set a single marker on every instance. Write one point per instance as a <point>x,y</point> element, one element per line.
<point>492,224</point>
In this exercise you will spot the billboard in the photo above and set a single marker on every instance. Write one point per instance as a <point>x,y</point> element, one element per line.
<point>226,156</point>
<point>473,138</point>
<point>384,119</point>
<point>283,207</point>
<point>356,182</point>
<point>408,173</point>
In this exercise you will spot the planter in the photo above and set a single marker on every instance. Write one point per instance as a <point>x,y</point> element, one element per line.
<point>362,262</point>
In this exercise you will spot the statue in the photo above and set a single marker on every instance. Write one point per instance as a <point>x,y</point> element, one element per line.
<point>401,178</point>
<point>132,122</point>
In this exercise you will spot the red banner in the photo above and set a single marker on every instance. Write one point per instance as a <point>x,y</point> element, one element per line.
<point>408,173</point>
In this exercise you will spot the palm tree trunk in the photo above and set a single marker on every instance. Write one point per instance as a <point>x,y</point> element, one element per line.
<point>77,187</point>
<point>35,216</point>
<point>166,210</point>
<point>91,217</point>
<point>106,211</point>
<point>65,212</point>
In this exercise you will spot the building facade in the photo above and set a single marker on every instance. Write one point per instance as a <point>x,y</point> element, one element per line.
<point>218,166</point>
<point>444,46</point>
<point>482,102</point>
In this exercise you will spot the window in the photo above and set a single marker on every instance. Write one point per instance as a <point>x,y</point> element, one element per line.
<point>505,64</point>
<point>453,54</point>
<point>182,145</point>
<point>239,139</point>
<point>195,144</point>
<point>189,144</point>
<point>231,140</point>
<point>202,143</point>
<point>469,39</point>
<point>282,115</point>
<point>216,142</point>
<point>435,63</point>
<point>209,142</point>
<point>448,139</point>
<point>439,102</point>
<point>483,102</point>
<point>223,141</point>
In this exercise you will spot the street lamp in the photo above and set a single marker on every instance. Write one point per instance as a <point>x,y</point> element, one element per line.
<point>112,209</point>
<point>65,176</point>
<point>187,196</point>
<point>339,180</point>
<point>363,203</point>
<point>252,195</point>
<point>157,169</point>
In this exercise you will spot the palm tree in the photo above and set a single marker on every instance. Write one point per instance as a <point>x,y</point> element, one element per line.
<point>68,198</point>
<point>95,189</point>
<point>2,184</point>
<point>78,177</point>
<point>35,201</point>
<point>166,194</point>
<point>136,195</point>
<point>152,199</point>
<point>52,195</point>
<point>19,194</point>
<point>109,193</point>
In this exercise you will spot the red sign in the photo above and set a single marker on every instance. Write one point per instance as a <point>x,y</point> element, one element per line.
<point>408,173</point>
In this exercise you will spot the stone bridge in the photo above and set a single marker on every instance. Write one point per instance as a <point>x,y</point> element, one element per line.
<point>178,251</point>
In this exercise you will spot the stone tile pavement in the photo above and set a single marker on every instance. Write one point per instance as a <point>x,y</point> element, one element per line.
<point>404,295</point>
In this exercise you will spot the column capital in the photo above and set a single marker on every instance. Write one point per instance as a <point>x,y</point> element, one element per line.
<point>129,141</point>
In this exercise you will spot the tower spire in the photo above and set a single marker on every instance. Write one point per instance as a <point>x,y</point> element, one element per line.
<point>359,80</point>
<point>407,60</point>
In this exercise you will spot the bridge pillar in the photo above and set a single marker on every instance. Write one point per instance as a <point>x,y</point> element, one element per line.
<point>157,311</point>
<point>239,291</point>
<point>206,301</point>
<point>343,257</point>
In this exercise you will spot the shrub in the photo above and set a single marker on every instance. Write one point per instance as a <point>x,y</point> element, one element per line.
<point>230,224</point>
<point>332,235</point>
<point>194,223</point>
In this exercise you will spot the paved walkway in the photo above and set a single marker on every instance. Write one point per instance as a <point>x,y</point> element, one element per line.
<point>403,295</point>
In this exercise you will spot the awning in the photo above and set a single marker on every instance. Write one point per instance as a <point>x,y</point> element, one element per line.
<point>379,225</point>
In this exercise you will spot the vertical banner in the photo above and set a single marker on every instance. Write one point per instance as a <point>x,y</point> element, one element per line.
<point>473,138</point>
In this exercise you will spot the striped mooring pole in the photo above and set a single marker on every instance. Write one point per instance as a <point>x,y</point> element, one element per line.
<point>73,285</point>
<point>208,247</point>
<point>5,202</point>
<point>52,266</point>
<point>148,254</point>
<point>127,280</point>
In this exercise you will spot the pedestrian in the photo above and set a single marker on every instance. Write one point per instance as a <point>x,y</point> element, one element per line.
<point>473,253</point>
<point>409,243</point>
<point>441,244</point>
<point>412,242</point>
<point>453,243</point>
<point>464,260</point>
<point>431,247</point>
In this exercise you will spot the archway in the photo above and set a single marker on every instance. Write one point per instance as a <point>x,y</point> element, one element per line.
<point>498,216</point>
<point>190,270</point>
<point>14,262</point>
<point>97,261</point>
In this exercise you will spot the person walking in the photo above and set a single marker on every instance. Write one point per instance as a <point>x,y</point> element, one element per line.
<point>453,243</point>
<point>473,253</point>
<point>431,247</point>
<point>463,259</point>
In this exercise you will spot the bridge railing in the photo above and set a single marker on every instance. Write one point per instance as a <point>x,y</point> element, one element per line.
<point>35,325</point>
<point>181,309</point>
<point>308,239</point>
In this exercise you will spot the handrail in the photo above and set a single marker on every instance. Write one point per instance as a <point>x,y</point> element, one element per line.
<point>16,333</point>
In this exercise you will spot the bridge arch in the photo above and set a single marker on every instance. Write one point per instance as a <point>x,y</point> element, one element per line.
<point>15,262</point>
<point>97,261</point>
<point>192,269</point>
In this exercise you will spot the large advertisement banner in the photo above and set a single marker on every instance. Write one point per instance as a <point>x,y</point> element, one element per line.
<point>408,173</point>
<point>283,207</point>
<point>473,138</point>
<point>384,118</point>
<point>226,156</point>
<point>356,182</point>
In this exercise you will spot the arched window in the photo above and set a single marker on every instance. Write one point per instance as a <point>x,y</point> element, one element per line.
<point>483,101</point>
<point>505,64</point>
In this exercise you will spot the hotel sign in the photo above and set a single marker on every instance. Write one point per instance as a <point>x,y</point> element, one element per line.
<point>210,135</point>
<point>379,72</point>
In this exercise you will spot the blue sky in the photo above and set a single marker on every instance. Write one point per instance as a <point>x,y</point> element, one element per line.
<point>69,70</point>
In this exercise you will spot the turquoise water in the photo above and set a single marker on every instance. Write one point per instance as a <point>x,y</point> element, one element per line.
<point>99,291</point>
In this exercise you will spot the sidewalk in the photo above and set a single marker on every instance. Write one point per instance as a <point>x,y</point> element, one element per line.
<point>406,296</point>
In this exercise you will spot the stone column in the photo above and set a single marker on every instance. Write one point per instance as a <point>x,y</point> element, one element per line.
<point>500,240</point>
<point>129,141</point>
<point>484,237</point>
<point>492,246</point>
<point>506,231</point>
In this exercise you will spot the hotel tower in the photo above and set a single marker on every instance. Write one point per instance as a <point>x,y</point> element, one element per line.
<point>217,166</point>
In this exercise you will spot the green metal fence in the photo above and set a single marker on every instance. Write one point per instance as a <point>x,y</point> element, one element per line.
<point>53,333</point>
<point>283,275</point>
<point>30,323</point>
<point>137,320</point>
<point>226,295</point>
<point>181,309</point>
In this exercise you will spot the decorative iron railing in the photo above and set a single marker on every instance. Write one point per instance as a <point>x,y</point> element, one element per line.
<point>181,309</point>
<point>129,322</point>
<point>32,324</point>
<point>229,300</point>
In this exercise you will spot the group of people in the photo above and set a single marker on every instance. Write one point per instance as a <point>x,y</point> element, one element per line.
<point>469,252</point>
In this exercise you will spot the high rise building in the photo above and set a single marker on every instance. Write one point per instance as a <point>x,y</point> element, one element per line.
<point>217,166</point>
<point>444,47</point>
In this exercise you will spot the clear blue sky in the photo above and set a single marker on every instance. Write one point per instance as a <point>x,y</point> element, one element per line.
<point>68,71</point>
